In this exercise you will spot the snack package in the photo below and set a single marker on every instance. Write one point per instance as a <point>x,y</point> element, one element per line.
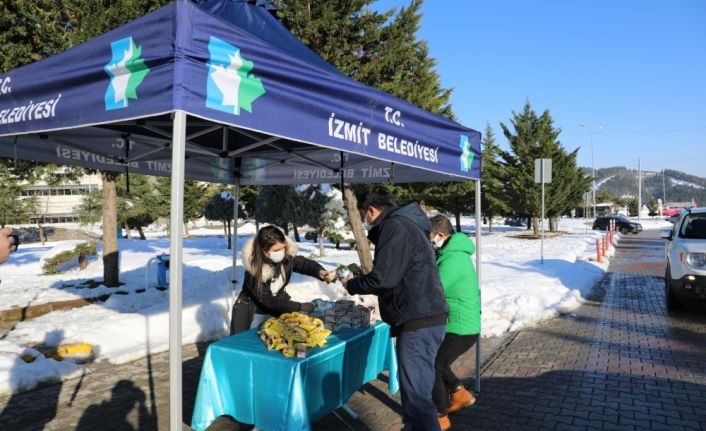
<point>346,315</point>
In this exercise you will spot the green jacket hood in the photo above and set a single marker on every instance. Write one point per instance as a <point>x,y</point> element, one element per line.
<point>458,242</point>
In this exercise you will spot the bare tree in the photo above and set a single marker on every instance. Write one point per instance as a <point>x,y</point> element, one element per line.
<point>111,255</point>
<point>361,239</point>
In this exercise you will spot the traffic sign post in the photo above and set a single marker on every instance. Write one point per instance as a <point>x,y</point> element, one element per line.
<point>542,175</point>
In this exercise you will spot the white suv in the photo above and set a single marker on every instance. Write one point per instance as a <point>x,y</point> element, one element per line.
<point>685,276</point>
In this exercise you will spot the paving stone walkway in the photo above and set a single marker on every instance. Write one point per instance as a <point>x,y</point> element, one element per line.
<point>619,362</point>
<point>135,396</point>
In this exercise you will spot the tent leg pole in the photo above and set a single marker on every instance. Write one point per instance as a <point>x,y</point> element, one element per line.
<point>176,237</point>
<point>478,268</point>
<point>236,203</point>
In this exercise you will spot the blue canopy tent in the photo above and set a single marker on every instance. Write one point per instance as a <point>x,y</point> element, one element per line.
<point>219,91</point>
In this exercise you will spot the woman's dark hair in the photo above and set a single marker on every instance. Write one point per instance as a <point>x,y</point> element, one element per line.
<point>441,224</point>
<point>266,237</point>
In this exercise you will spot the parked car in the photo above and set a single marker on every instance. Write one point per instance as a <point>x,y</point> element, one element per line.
<point>685,274</point>
<point>622,223</point>
<point>515,221</point>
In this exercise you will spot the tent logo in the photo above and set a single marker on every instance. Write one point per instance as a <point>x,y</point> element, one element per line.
<point>231,85</point>
<point>126,70</point>
<point>466,154</point>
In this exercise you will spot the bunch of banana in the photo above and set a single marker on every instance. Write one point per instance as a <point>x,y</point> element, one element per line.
<point>292,329</point>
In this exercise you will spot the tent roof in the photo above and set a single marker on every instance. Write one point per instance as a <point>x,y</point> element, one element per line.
<point>260,105</point>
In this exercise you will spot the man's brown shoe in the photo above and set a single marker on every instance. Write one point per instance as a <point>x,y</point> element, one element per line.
<point>461,398</point>
<point>444,423</point>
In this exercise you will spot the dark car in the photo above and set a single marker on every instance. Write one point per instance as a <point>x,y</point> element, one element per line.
<point>623,224</point>
<point>515,221</point>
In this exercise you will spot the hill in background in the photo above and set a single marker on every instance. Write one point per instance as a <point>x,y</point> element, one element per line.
<point>675,185</point>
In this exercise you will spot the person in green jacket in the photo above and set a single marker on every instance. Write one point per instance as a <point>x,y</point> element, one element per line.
<point>460,281</point>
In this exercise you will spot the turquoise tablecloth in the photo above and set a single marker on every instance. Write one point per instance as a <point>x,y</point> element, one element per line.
<point>243,379</point>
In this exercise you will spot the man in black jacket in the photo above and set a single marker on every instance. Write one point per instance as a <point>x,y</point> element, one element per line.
<point>411,298</point>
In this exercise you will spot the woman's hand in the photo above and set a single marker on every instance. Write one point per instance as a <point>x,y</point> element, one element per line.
<point>327,276</point>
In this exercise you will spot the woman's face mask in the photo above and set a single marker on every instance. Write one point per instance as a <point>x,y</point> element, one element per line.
<point>276,256</point>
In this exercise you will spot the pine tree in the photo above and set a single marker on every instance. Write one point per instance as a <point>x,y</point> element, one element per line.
<point>280,205</point>
<point>632,207</point>
<point>195,197</point>
<point>32,30</point>
<point>493,195</point>
<point>321,211</point>
<point>136,204</point>
<point>565,193</point>
<point>220,207</point>
<point>14,208</point>
<point>534,137</point>
<point>89,210</point>
<point>194,202</point>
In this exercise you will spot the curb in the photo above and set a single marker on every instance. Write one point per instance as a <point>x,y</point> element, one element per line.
<point>16,315</point>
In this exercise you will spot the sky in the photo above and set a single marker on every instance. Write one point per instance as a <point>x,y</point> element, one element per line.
<point>633,72</point>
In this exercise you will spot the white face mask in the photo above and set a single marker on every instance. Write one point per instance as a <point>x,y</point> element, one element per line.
<point>437,242</point>
<point>366,220</point>
<point>276,256</point>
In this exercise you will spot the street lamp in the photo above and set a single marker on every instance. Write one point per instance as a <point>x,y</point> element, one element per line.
<point>593,167</point>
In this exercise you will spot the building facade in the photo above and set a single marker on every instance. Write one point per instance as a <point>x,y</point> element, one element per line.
<point>59,204</point>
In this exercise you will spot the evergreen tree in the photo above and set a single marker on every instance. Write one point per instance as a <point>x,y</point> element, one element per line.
<point>653,207</point>
<point>195,197</point>
<point>280,205</point>
<point>632,207</point>
<point>493,197</point>
<point>248,199</point>
<point>220,207</point>
<point>455,198</point>
<point>14,208</point>
<point>89,210</point>
<point>321,211</point>
<point>32,30</point>
<point>534,137</point>
<point>568,185</point>
<point>136,206</point>
<point>603,196</point>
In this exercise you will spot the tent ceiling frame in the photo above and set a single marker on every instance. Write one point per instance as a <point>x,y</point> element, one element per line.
<point>147,153</point>
<point>301,156</point>
<point>192,145</point>
<point>253,146</point>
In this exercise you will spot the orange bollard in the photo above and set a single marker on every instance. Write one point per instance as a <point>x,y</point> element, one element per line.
<point>605,245</point>
<point>598,250</point>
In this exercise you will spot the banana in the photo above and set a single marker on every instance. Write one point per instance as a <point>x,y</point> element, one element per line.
<point>290,329</point>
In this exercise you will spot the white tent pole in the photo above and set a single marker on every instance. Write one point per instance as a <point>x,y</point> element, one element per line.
<point>236,202</point>
<point>176,237</point>
<point>478,249</point>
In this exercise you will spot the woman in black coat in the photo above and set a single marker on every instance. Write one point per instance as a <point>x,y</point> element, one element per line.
<point>269,260</point>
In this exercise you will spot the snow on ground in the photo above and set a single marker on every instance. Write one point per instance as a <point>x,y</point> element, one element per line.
<point>518,290</point>
<point>678,182</point>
